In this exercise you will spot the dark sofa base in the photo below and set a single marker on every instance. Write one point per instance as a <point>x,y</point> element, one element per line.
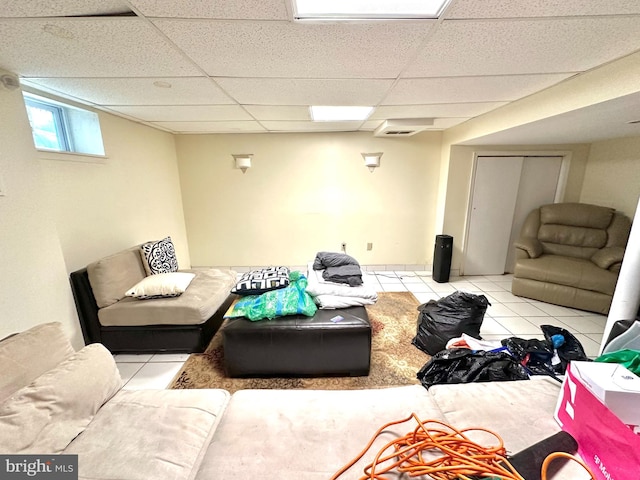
<point>296,345</point>
<point>140,339</point>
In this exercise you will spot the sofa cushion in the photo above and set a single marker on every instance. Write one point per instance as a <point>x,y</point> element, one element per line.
<point>521,412</point>
<point>150,434</point>
<point>307,434</point>
<point>45,416</point>
<point>22,359</point>
<point>162,285</point>
<point>570,271</point>
<point>206,293</point>
<point>577,215</point>
<point>112,276</point>
<point>504,407</point>
<point>573,236</point>
<point>159,256</point>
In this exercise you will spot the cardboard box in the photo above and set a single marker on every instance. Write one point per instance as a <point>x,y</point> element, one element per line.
<point>607,445</point>
<point>613,385</point>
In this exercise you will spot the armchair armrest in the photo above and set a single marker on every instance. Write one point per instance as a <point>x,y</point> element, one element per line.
<point>530,245</point>
<point>608,257</point>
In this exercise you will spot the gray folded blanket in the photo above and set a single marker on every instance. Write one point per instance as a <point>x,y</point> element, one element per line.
<point>338,268</point>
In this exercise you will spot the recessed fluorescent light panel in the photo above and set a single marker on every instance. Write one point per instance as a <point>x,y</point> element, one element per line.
<point>339,114</point>
<point>367,9</point>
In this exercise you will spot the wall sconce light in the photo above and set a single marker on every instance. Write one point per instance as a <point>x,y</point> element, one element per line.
<point>243,161</point>
<point>372,160</point>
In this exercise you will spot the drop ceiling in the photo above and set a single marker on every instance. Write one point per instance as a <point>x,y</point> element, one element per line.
<point>245,66</point>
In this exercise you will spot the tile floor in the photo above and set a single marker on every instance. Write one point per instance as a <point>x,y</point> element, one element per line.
<point>507,316</point>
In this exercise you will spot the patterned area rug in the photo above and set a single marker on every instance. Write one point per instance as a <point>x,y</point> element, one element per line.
<point>394,360</point>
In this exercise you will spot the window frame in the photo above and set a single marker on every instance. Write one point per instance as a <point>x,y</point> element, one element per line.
<point>77,129</point>
<point>59,121</point>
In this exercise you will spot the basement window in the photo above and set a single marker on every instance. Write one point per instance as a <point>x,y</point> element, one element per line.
<point>59,127</point>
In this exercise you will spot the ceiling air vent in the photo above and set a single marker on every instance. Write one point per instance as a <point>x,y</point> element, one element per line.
<point>403,127</point>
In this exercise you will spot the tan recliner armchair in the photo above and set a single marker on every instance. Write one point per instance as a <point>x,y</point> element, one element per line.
<point>570,254</point>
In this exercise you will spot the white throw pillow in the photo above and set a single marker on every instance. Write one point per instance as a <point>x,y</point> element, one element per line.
<point>161,285</point>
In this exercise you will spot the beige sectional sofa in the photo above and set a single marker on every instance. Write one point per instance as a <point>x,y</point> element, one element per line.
<point>123,324</point>
<point>570,254</point>
<point>54,400</point>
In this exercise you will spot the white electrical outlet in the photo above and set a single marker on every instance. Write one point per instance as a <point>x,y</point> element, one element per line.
<point>369,246</point>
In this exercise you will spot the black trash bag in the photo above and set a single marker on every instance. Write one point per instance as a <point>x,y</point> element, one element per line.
<point>535,355</point>
<point>571,349</point>
<point>449,317</point>
<point>461,365</point>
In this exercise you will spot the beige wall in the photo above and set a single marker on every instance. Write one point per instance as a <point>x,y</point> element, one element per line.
<point>612,176</point>
<point>102,206</point>
<point>459,183</point>
<point>307,193</point>
<point>61,212</point>
<point>33,280</point>
<point>613,80</point>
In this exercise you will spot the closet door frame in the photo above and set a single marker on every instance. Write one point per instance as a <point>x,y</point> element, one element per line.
<point>560,190</point>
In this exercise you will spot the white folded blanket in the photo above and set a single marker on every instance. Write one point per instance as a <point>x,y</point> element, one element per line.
<point>328,295</point>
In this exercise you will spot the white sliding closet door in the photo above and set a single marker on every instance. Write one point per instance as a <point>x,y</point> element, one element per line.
<point>493,201</point>
<point>538,186</point>
<point>505,190</point>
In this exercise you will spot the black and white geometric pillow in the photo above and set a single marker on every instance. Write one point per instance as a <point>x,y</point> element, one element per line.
<point>159,257</point>
<point>258,282</point>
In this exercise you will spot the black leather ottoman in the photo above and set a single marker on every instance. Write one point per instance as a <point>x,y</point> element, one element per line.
<point>296,345</point>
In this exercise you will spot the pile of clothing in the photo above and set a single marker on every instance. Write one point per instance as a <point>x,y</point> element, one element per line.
<point>449,331</point>
<point>272,292</point>
<point>335,281</point>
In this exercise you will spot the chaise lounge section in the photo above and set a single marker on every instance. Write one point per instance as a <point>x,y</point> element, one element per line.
<point>123,324</point>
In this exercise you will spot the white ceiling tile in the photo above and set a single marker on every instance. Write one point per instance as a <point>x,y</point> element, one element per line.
<point>43,8</point>
<point>548,8</point>
<point>267,70</point>
<point>218,127</point>
<point>286,49</point>
<point>274,126</point>
<point>499,88</point>
<point>303,91</point>
<point>441,110</point>
<point>275,112</point>
<point>495,47</point>
<point>104,47</point>
<point>137,91</point>
<point>183,113</point>
<point>228,9</point>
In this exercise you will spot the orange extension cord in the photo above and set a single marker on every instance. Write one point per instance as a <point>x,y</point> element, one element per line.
<point>451,455</point>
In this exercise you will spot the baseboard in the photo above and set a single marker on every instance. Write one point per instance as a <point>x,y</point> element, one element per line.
<point>423,268</point>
